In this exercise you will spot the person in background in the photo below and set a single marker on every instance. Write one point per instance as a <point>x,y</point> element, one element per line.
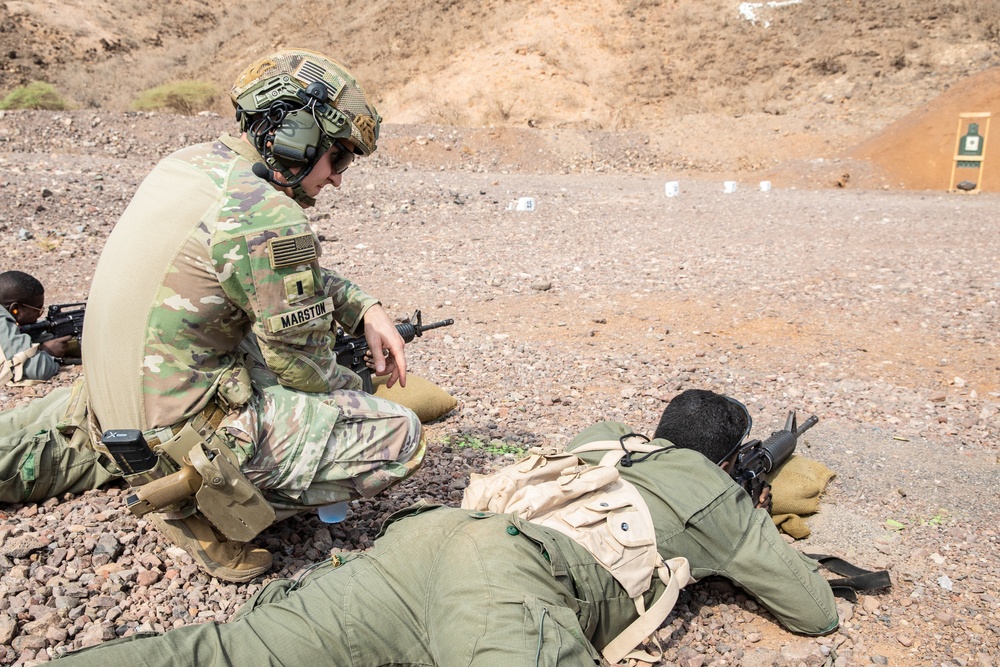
<point>22,301</point>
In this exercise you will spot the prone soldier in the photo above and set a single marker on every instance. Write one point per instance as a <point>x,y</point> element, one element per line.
<point>495,588</point>
<point>22,302</point>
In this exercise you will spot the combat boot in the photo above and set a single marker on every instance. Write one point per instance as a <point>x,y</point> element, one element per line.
<point>221,558</point>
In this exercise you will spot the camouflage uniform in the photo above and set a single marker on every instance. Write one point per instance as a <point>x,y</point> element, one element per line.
<point>457,587</point>
<point>205,254</point>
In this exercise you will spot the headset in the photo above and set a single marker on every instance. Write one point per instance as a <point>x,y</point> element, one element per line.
<point>294,131</point>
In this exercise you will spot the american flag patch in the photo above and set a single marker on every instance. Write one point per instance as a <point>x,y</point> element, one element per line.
<point>292,250</point>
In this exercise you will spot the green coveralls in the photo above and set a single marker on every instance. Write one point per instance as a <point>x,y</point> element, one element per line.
<point>446,586</point>
<point>37,461</point>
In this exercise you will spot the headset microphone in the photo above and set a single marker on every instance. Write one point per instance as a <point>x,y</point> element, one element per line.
<point>261,170</point>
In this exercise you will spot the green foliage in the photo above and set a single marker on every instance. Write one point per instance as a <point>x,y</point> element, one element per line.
<point>936,520</point>
<point>183,97</point>
<point>36,95</point>
<point>495,447</point>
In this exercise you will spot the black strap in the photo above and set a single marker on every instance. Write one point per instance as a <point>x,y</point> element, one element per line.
<point>854,578</point>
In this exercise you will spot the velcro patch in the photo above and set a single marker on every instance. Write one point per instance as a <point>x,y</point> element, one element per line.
<point>300,316</point>
<point>292,250</point>
<point>299,286</point>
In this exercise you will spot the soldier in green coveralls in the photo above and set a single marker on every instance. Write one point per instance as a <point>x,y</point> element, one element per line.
<point>211,322</point>
<point>447,586</point>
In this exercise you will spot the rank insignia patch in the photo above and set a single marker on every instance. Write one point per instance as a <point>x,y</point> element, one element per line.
<point>299,286</point>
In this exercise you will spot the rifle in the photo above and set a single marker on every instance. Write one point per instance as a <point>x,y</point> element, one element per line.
<point>755,459</point>
<point>352,351</point>
<point>64,319</point>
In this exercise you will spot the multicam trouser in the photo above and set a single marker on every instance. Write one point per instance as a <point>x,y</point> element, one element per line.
<point>442,587</point>
<point>308,450</point>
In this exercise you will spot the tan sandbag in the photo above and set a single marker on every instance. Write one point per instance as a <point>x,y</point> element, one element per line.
<point>425,398</point>
<point>795,490</point>
<point>797,486</point>
<point>792,524</point>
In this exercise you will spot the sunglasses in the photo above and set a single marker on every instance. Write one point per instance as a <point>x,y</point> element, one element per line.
<point>746,431</point>
<point>25,306</point>
<point>342,159</point>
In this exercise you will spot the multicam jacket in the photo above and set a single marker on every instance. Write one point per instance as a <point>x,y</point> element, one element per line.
<point>205,253</point>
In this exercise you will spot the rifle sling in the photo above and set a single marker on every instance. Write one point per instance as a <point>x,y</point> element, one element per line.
<point>854,578</point>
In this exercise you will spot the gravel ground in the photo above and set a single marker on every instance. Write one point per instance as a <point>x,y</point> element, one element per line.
<point>877,311</point>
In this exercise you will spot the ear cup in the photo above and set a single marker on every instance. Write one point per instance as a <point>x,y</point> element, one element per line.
<point>297,139</point>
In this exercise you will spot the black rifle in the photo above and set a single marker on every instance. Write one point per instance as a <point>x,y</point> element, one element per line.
<point>63,319</point>
<point>755,459</point>
<point>352,351</point>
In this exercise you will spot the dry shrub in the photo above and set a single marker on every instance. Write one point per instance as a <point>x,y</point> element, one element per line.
<point>183,97</point>
<point>35,95</point>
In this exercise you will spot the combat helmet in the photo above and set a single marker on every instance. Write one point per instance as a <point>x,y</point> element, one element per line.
<point>294,105</point>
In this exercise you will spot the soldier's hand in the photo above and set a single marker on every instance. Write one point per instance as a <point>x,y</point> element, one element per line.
<point>385,345</point>
<point>764,501</point>
<point>57,346</point>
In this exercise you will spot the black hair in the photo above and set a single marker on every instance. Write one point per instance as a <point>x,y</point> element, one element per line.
<point>704,421</point>
<point>20,287</point>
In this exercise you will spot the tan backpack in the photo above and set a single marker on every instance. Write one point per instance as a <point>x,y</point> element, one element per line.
<point>603,513</point>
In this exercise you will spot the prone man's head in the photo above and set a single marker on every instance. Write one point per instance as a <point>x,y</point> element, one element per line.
<point>706,422</point>
<point>22,295</point>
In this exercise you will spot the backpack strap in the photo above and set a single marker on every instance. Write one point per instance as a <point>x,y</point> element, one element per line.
<point>635,444</point>
<point>676,574</point>
<point>12,369</point>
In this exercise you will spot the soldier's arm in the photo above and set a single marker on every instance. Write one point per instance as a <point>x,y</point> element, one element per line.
<point>350,301</point>
<point>274,276</point>
<point>763,564</point>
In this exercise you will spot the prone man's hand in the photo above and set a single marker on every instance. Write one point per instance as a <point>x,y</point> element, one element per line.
<point>764,501</point>
<point>57,346</point>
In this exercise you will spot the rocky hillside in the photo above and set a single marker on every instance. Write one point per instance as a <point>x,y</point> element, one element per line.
<point>609,64</point>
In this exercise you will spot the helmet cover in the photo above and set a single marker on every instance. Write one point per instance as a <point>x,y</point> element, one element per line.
<point>285,74</point>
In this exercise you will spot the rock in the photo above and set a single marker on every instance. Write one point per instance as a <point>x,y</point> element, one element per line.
<point>693,661</point>
<point>108,544</point>
<point>8,628</point>
<point>761,657</point>
<point>43,623</point>
<point>148,577</point>
<point>96,633</point>
<point>28,642</point>
<point>22,545</point>
<point>870,604</point>
<point>799,652</point>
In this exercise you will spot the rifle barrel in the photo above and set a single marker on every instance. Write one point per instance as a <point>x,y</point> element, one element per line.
<point>436,325</point>
<point>806,425</point>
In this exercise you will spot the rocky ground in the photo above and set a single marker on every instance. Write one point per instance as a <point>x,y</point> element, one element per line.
<point>875,310</point>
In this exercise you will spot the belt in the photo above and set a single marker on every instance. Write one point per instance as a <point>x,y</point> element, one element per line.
<point>203,423</point>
